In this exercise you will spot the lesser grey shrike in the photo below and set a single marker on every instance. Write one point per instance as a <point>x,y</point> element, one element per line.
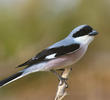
<point>59,55</point>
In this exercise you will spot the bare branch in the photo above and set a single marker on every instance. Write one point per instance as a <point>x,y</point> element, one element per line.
<point>61,93</point>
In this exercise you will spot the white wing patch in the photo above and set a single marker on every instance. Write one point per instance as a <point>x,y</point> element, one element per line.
<point>50,56</point>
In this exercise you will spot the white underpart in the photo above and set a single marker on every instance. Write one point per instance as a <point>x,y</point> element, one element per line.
<point>85,40</point>
<point>50,56</point>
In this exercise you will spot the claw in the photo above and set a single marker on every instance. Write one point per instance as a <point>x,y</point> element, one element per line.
<point>63,80</point>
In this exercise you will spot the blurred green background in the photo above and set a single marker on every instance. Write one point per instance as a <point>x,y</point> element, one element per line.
<point>28,26</point>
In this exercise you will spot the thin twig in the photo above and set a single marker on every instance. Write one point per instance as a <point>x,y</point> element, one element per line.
<point>61,93</point>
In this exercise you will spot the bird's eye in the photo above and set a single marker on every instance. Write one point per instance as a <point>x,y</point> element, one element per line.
<point>84,31</point>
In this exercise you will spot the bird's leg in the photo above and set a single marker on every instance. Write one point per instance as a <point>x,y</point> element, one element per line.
<point>61,69</point>
<point>60,78</point>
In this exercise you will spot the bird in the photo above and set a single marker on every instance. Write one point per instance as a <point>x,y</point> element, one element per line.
<point>60,55</point>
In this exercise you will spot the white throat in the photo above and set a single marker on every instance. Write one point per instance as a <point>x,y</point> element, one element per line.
<point>84,39</point>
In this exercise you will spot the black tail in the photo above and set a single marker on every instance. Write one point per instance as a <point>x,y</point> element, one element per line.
<point>11,78</point>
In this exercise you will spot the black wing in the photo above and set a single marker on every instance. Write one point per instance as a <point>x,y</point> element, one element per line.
<point>58,51</point>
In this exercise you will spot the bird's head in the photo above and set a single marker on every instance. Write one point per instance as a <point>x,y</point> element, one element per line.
<point>83,34</point>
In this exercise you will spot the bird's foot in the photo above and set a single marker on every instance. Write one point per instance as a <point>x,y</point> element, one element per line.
<point>63,81</point>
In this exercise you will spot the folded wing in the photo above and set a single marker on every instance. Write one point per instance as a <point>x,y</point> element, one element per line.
<point>51,53</point>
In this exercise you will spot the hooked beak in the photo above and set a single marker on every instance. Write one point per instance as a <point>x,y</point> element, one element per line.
<point>93,33</point>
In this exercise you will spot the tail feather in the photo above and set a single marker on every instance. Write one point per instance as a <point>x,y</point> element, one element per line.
<point>20,74</point>
<point>11,78</point>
